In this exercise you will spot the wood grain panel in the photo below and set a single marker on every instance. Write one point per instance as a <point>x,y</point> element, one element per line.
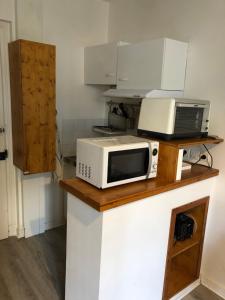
<point>169,154</point>
<point>17,105</point>
<point>184,257</point>
<point>35,66</point>
<point>188,142</point>
<point>182,271</point>
<point>116,196</point>
<point>168,161</point>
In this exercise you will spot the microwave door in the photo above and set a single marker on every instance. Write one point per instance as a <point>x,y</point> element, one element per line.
<point>127,164</point>
<point>188,118</point>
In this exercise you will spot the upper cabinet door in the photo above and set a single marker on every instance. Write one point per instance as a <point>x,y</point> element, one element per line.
<point>32,74</point>
<point>100,64</point>
<point>156,64</point>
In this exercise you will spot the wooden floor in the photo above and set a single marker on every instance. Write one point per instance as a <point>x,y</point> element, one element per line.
<point>34,269</point>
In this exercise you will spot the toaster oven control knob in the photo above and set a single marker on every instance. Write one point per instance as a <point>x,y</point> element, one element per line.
<point>155,152</point>
<point>206,128</point>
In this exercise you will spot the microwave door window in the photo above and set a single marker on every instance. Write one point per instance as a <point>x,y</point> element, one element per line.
<point>188,120</point>
<point>127,164</point>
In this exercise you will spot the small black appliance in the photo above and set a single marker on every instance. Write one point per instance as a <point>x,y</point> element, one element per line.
<point>184,227</point>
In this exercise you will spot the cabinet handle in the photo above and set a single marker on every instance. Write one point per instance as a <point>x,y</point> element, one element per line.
<point>123,79</point>
<point>109,75</point>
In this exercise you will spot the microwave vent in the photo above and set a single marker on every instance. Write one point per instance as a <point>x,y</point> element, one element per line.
<point>84,170</point>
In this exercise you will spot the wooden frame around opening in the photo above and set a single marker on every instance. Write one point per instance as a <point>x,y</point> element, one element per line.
<point>185,257</point>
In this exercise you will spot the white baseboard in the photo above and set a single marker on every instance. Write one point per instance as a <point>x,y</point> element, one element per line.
<point>35,230</point>
<point>54,224</point>
<point>12,230</point>
<point>186,291</point>
<point>16,231</point>
<point>31,231</point>
<point>213,286</point>
<point>42,227</point>
<point>20,232</point>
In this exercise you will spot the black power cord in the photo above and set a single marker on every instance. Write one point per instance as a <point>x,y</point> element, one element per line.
<point>203,157</point>
<point>195,163</point>
<point>211,158</point>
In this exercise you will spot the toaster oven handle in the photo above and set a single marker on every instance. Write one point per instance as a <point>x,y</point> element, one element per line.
<point>191,105</point>
<point>149,160</point>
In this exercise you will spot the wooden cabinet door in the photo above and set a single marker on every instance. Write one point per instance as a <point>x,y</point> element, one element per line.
<point>32,68</point>
<point>100,64</point>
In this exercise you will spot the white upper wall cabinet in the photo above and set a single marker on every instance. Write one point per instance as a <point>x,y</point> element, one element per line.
<point>156,64</point>
<point>100,64</point>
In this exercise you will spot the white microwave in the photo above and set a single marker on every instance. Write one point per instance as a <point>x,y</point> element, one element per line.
<point>106,162</point>
<point>170,118</point>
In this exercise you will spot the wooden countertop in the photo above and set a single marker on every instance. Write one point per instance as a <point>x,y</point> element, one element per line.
<point>183,143</point>
<point>109,198</point>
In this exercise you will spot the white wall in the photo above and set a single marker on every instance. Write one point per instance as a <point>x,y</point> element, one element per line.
<point>202,23</point>
<point>7,10</point>
<point>70,25</point>
<point>29,23</point>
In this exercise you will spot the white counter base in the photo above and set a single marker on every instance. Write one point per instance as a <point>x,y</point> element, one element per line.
<point>120,254</point>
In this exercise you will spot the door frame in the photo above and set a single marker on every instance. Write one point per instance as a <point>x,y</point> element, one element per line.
<point>14,190</point>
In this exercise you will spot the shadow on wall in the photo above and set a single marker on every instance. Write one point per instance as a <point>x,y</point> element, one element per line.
<point>54,205</point>
<point>34,227</point>
<point>42,207</point>
<point>214,249</point>
<point>77,128</point>
<point>49,208</point>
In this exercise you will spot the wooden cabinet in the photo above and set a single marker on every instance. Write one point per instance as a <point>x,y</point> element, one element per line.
<point>156,64</point>
<point>100,64</point>
<point>184,257</point>
<point>32,72</point>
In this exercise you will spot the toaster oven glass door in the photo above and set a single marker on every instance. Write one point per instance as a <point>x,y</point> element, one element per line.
<point>188,119</point>
<point>127,164</point>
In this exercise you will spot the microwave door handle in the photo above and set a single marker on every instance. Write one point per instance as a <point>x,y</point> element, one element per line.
<point>149,161</point>
<point>191,105</point>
